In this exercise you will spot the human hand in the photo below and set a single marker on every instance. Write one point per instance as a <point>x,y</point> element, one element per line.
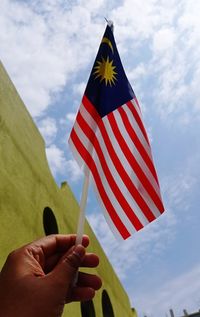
<point>37,279</point>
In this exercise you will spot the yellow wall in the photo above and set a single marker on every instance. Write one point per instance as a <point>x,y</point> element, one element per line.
<point>27,187</point>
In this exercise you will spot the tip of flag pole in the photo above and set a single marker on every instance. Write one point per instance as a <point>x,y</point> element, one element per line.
<point>110,24</point>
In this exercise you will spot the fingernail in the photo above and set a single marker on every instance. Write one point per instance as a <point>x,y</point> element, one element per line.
<point>79,251</point>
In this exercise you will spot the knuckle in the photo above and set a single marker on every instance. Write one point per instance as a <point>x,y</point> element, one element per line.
<point>12,255</point>
<point>73,260</point>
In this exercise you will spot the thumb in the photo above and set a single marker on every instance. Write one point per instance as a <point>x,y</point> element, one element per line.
<point>66,269</point>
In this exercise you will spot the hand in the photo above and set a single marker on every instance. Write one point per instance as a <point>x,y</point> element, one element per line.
<point>37,279</point>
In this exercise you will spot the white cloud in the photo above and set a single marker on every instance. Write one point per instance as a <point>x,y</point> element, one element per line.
<point>178,293</point>
<point>79,88</point>
<point>56,159</point>
<point>59,165</point>
<point>139,22</point>
<point>137,73</point>
<point>166,33</point>
<point>71,116</point>
<point>53,40</point>
<point>48,129</point>
<point>42,46</point>
<point>159,234</point>
<point>177,186</point>
<point>176,65</point>
<point>36,68</point>
<point>164,39</point>
<point>68,123</point>
<point>74,171</point>
<point>188,22</point>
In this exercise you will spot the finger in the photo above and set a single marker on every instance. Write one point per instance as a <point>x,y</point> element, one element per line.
<point>57,243</point>
<point>90,260</point>
<point>65,270</point>
<point>82,294</point>
<point>89,280</point>
<point>51,262</point>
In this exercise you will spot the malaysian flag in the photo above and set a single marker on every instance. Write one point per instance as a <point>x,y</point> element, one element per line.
<point>110,141</point>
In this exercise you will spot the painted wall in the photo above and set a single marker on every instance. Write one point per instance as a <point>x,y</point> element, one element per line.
<point>27,187</point>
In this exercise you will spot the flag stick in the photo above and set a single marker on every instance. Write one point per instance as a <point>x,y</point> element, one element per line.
<point>81,221</point>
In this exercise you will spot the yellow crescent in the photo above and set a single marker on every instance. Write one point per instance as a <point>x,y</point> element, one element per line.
<point>107,41</point>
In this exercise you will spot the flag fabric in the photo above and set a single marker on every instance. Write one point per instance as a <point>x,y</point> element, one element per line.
<point>110,141</point>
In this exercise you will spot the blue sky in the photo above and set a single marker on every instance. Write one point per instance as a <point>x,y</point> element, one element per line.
<point>48,48</point>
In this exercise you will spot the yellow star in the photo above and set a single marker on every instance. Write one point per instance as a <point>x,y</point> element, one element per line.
<point>106,71</point>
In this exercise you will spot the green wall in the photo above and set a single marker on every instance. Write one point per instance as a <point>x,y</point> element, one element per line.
<point>27,187</point>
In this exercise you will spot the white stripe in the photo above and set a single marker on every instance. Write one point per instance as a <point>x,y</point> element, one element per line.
<point>78,158</point>
<point>135,152</point>
<point>105,183</point>
<point>88,118</point>
<point>108,219</point>
<point>137,130</point>
<point>147,198</point>
<point>129,169</point>
<point>88,145</point>
<point>117,177</point>
<point>75,153</point>
<point>138,212</point>
<point>137,107</point>
<point>107,216</point>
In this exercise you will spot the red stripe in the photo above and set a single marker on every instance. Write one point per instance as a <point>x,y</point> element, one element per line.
<point>91,109</point>
<point>137,118</point>
<point>132,161</point>
<point>113,185</point>
<point>109,207</point>
<point>135,99</point>
<point>124,176</point>
<point>87,130</point>
<point>137,142</point>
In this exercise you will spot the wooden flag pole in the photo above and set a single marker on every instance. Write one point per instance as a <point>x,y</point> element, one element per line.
<point>81,221</point>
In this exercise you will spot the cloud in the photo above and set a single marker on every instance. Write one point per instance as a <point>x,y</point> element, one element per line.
<point>178,186</point>
<point>71,116</point>
<point>79,88</point>
<point>56,159</point>
<point>178,293</point>
<point>59,165</point>
<point>139,22</point>
<point>164,39</point>
<point>137,73</point>
<point>36,70</point>
<point>176,67</point>
<point>164,34</point>
<point>54,41</point>
<point>43,45</point>
<point>74,171</point>
<point>48,129</point>
<point>159,234</point>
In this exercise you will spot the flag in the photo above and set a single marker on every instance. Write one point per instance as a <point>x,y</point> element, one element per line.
<point>110,141</point>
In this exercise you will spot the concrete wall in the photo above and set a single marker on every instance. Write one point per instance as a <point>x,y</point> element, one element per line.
<point>27,187</point>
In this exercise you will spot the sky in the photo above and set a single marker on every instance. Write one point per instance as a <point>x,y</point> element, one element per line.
<point>48,48</point>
